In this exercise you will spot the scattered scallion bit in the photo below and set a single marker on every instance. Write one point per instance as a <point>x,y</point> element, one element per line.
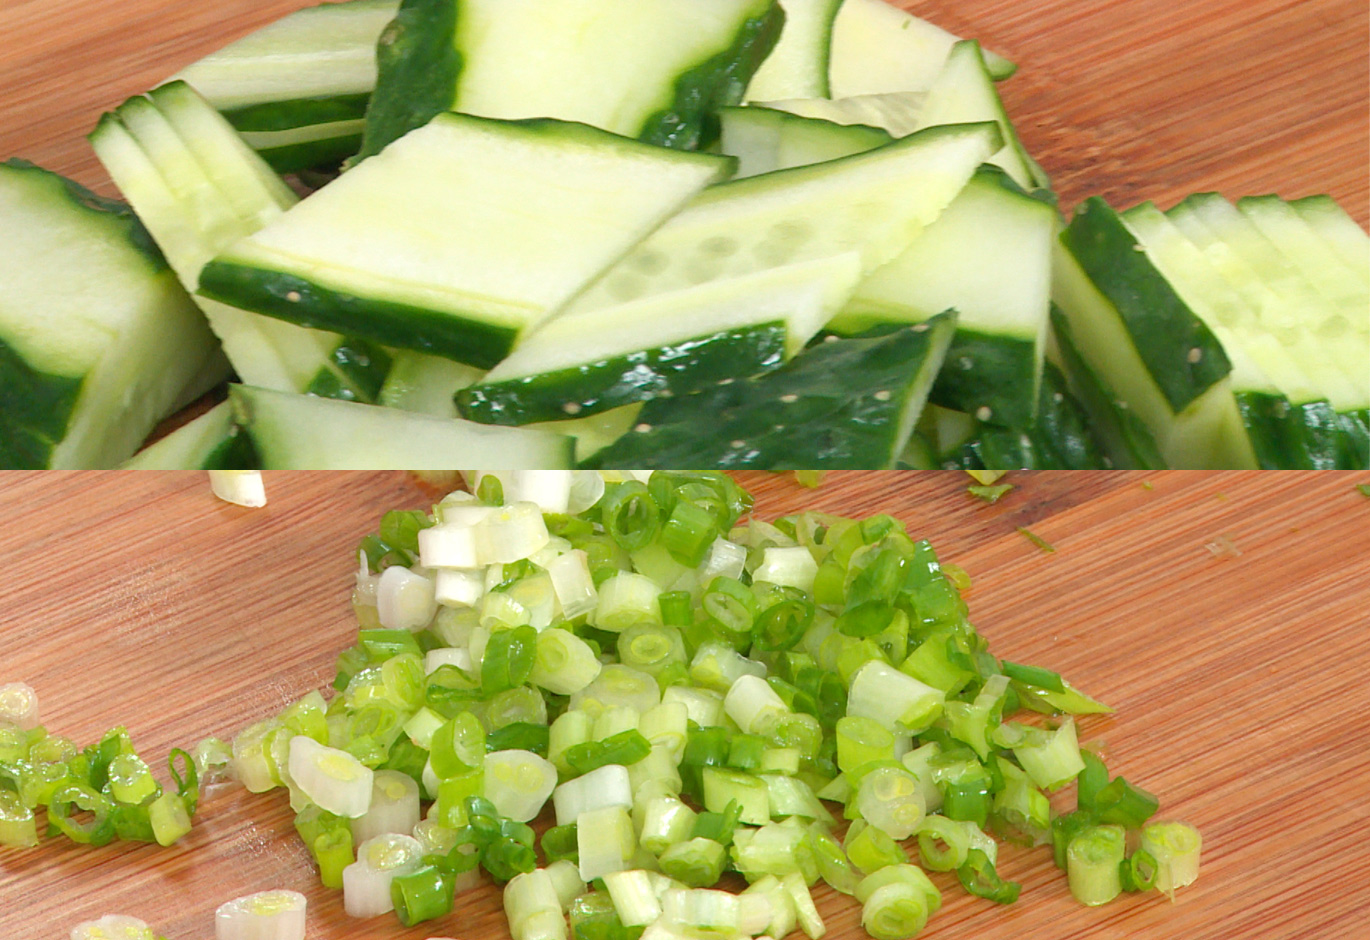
<point>986,477</point>
<point>1035,539</point>
<point>990,494</point>
<point>811,479</point>
<point>1364,489</point>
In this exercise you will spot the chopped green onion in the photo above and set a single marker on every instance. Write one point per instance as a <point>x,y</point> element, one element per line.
<point>697,862</point>
<point>19,705</point>
<point>630,516</point>
<point>900,702</point>
<point>723,786</point>
<point>1124,804</point>
<point>1035,539</point>
<point>990,494</point>
<point>1051,759</point>
<point>888,798</point>
<point>1139,871</point>
<point>601,787</point>
<point>688,533</point>
<point>870,849</point>
<point>533,907</point>
<point>634,899</point>
<point>1093,858</point>
<point>979,877</point>
<point>807,912</point>
<point>1175,846</point>
<point>277,915</point>
<point>1034,676</point>
<point>116,927</point>
<point>422,895</point>
<point>518,783</point>
<point>731,606</point>
<point>604,841</point>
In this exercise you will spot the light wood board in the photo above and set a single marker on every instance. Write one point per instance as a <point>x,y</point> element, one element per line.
<point>1238,677</point>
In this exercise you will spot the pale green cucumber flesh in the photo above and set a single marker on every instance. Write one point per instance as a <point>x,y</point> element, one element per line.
<point>426,384</point>
<point>210,441</point>
<point>798,65</point>
<point>765,140</point>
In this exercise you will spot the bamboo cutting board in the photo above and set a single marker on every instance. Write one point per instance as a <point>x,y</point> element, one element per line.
<point>1238,676</point>
<point>1129,99</point>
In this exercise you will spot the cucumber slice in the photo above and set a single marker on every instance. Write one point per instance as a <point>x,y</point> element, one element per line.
<point>426,384</point>
<point>1058,438</point>
<point>651,69</point>
<point>1132,329</point>
<point>764,140</point>
<point>461,236</point>
<point>198,188</point>
<point>210,442</point>
<point>845,403</point>
<point>1341,233</point>
<point>896,113</point>
<point>989,257</point>
<point>964,91</point>
<point>594,432</point>
<point>298,432</point>
<point>877,48</point>
<point>665,344</point>
<point>875,203</point>
<point>89,364</point>
<point>1289,423</point>
<point>1307,250</point>
<point>798,65</point>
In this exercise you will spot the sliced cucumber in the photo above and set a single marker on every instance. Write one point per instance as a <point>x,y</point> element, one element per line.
<point>594,432</point>
<point>299,432</point>
<point>875,203</point>
<point>964,91</point>
<point>664,344</point>
<point>209,442</point>
<point>845,403</point>
<point>765,140</point>
<point>989,257</point>
<point>461,236</point>
<point>1058,437</point>
<point>877,47</point>
<point>798,65</point>
<point>1288,421</point>
<point>198,188</point>
<point>652,69</point>
<point>1288,231</point>
<point>1132,329</point>
<point>97,340</point>
<point>426,384</point>
<point>1347,239</point>
<point>897,113</point>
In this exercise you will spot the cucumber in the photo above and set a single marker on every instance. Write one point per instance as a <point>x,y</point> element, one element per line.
<point>1298,241</point>
<point>1058,437</point>
<point>1126,441</point>
<point>897,113</point>
<point>298,88</point>
<point>299,432</point>
<point>594,432</point>
<point>765,140</point>
<point>98,342</point>
<point>1131,328</point>
<point>209,442</point>
<point>426,384</point>
<point>199,188</point>
<point>844,403</point>
<point>650,69</point>
<point>989,257</point>
<point>671,343</point>
<point>798,65</point>
<point>877,48</point>
<point>462,235</point>
<point>1347,240</point>
<point>964,91</point>
<point>875,203</point>
<point>1288,421</point>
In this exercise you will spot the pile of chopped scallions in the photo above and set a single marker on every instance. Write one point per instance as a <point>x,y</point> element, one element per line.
<point>794,701</point>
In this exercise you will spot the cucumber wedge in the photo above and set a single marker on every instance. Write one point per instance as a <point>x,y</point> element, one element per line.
<point>877,47</point>
<point>1058,438</point>
<point>298,88</point>
<point>90,363</point>
<point>300,432</point>
<point>210,442</point>
<point>426,384</point>
<point>650,69</point>
<point>798,65</point>
<point>897,113</point>
<point>1131,328</point>
<point>1347,240</point>
<point>766,140</point>
<point>1298,241</point>
<point>462,235</point>
<point>198,188</point>
<point>988,257</point>
<point>665,344</point>
<point>844,403</point>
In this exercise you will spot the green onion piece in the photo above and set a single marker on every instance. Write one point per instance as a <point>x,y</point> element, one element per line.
<point>870,849</point>
<point>1052,760</point>
<point>745,752</point>
<point>72,798</point>
<point>605,841</point>
<point>688,533</point>
<point>130,780</point>
<point>1139,871</point>
<point>697,862</point>
<point>888,799</point>
<point>782,625</point>
<point>833,865</point>
<point>400,529</point>
<point>380,645</point>
<point>1091,780</point>
<point>423,895</point>
<point>990,494</point>
<point>807,912</point>
<point>900,702</point>
<point>625,747</point>
<point>1092,863</point>
<point>333,851</point>
<point>169,818</point>
<point>979,877</point>
<point>132,823</point>
<point>458,746</point>
<point>986,477</point>
<point>1175,846</point>
<point>634,899</point>
<point>592,917</point>
<point>722,786</point>
<point>1034,676</point>
<point>490,490</point>
<point>894,912</point>
<point>651,647</point>
<point>564,663</point>
<point>518,783</point>
<point>626,599</point>
<point>665,820</point>
<point>505,858</point>
<point>718,826</point>
<point>519,735</point>
<point>1070,702</point>
<point>630,516</point>
<point>731,605</point>
<point>559,842</point>
<point>1364,489</point>
<point>701,912</point>
<point>1035,539</point>
<point>18,828</point>
<point>508,659</point>
<point>1124,804</point>
<point>677,608</point>
<point>944,844</point>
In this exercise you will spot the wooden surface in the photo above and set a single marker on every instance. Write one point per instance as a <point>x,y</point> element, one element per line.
<point>1130,99</point>
<point>1239,679</point>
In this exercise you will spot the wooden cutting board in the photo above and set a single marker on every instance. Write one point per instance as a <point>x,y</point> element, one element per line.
<point>1223,615</point>
<point>1129,99</point>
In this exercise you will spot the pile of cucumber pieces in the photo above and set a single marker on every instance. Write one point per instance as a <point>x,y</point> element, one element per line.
<point>711,233</point>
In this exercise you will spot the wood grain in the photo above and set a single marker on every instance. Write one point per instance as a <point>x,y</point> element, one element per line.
<point>1129,99</point>
<point>1238,678</point>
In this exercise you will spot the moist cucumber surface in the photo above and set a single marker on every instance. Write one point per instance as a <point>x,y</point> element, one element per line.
<point>798,65</point>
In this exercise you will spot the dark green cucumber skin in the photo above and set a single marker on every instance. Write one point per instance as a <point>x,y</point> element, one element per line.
<point>1182,355</point>
<point>1125,439</point>
<point>1290,437</point>
<point>35,407</point>
<point>836,405</point>
<point>676,369</point>
<point>387,323</point>
<point>301,112</point>
<point>691,122</point>
<point>356,371</point>
<point>1059,438</point>
<point>417,69</point>
<point>1355,439</point>
<point>325,154</point>
<point>979,367</point>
